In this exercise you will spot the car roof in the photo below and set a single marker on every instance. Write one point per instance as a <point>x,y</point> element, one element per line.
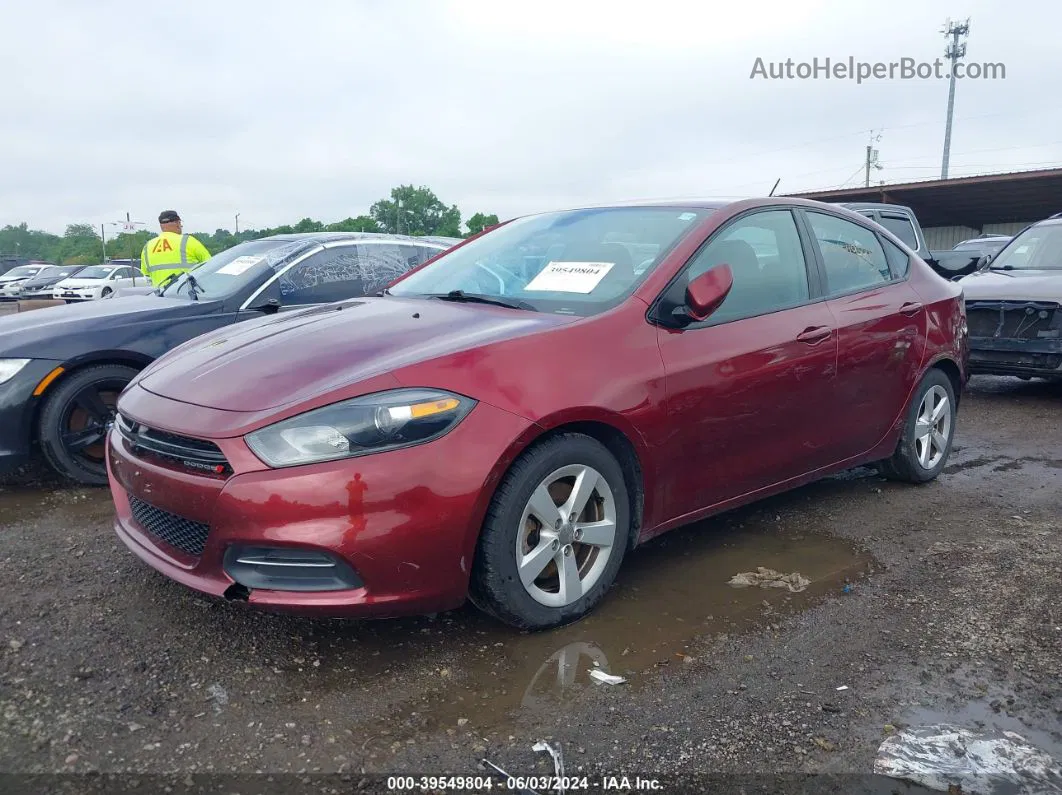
<point>872,206</point>
<point>328,237</point>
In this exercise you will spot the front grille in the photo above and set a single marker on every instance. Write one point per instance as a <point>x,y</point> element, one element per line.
<point>184,534</point>
<point>1011,319</point>
<point>196,454</point>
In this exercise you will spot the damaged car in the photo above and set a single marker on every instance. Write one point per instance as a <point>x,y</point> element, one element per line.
<point>1012,306</point>
<point>506,422</point>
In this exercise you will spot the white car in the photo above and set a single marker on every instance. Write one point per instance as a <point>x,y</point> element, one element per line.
<point>98,281</point>
<point>11,282</point>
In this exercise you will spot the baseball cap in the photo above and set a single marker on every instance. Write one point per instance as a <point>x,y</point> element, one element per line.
<point>168,217</point>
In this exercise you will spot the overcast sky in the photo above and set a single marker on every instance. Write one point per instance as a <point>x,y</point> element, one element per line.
<point>281,110</point>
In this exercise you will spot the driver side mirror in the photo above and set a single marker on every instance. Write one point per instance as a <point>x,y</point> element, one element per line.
<point>983,262</point>
<point>706,292</point>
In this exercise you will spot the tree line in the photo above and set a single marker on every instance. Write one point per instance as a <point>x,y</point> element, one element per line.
<point>409,211</point>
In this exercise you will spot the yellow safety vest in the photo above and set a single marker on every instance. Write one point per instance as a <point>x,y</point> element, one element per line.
<point>170,254</point>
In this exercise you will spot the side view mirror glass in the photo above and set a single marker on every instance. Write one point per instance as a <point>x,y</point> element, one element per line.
<point>983,262</point>
<point>706,292</point>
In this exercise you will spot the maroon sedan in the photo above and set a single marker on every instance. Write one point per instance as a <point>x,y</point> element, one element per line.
<point>506,422</point>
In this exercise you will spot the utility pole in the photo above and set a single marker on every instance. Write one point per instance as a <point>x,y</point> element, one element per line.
<point>872,157</point>
<point>103,235</point>
<point>237,223</point>
<point>954,52</point>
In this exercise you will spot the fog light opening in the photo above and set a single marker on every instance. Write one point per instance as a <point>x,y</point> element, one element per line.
<point>237,593</point>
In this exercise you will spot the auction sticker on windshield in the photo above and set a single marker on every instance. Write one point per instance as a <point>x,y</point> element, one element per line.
<point>570,277</point>
<point>239,265</point>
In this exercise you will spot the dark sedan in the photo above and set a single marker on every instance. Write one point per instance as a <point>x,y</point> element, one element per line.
<point>40,286</point>
<point>62,368</point>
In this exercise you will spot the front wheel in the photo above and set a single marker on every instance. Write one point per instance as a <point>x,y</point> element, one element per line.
<point>925,445</point>
<point>554,536</point>
<point>75,420</point>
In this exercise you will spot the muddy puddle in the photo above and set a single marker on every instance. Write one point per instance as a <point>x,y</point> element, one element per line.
<point>464,670</point>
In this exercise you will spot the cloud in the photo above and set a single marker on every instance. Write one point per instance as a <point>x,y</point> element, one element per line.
<point>279,110</point>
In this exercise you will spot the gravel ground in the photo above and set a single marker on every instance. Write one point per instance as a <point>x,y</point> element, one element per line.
<point>938,603</point>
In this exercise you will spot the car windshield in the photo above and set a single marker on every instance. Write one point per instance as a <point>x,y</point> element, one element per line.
<point>22,271</point>
<point>1037,248</point>
<point>230,270</point>
<point>57,273</point>
<point>97,272</point>
<point>577,262</point>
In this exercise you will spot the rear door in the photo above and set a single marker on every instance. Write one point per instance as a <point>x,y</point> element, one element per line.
<point>748,389</point>
<point>881,327</point>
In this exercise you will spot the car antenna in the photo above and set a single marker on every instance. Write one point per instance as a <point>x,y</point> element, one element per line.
<point>775,186</point>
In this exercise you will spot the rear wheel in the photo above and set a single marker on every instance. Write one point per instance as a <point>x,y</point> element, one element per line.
<point>75,420</point>
<point>925,445</point>
<point>554,536</point>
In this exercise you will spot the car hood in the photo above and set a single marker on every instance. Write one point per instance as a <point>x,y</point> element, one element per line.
<point>80,284</point>
<point>295,357</point>
<point>52,331</point>
<point>1016,285</point>
<point>36,284</point>
<point>10,279</point>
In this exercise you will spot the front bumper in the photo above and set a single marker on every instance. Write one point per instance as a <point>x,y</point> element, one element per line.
<point>1024,357</point>
<point>17,410</point>
<point>76,295</point>
<point>404,523</point>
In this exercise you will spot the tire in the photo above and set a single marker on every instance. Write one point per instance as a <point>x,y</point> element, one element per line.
<point>512,527</point>
<point>105,292</point>
<point>908,463</point>
<point>74,421</point>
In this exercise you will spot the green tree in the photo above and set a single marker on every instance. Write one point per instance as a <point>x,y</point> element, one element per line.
<point>362,223</point>
<point>416,211</point>
<point>309,225</point>
<point>128,245</point>
<point>81,245</point>
<point>478,222</point>
<point>25,243</point>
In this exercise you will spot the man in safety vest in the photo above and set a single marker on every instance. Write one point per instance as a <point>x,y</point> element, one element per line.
<point>172,252</point>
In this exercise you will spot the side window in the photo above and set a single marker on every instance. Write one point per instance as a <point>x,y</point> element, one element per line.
<point>383,263</point>
<point>329,275</point>
<point>901,226</point>
<point>899,262</point>
<point>343,272</point>
<point>121,273</point>
<point>764,253</point>
<point>851,254</point>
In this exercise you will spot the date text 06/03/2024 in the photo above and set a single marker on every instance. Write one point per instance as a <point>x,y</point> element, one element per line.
<point>522,784</point>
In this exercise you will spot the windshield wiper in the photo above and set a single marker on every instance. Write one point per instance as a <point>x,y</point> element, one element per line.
<point>168,281</point>
<point>194,288</point>
<point>476,298</point>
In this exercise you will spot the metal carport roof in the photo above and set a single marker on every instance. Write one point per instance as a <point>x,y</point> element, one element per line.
<point>965,201</point>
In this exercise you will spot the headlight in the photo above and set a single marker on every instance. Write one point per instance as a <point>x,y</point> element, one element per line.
<point>9,368</point>
<point>368,424</point>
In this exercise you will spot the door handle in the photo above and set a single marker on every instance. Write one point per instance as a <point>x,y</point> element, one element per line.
<point>813,335</point>
<point>911,308</point>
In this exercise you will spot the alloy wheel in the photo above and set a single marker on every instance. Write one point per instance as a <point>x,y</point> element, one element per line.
<point>567,535</point>
<point>933,427</point>
<point>87,418</point>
